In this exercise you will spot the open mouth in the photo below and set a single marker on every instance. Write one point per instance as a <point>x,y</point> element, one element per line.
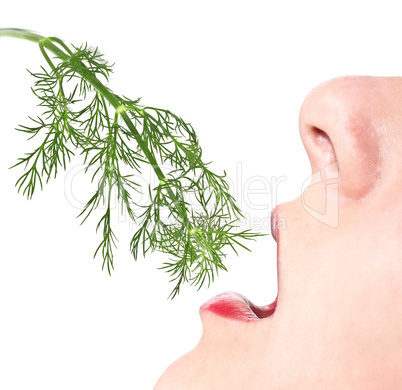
<point>235,306</point>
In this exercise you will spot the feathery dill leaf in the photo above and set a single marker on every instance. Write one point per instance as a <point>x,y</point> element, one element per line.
<point>191,215</point>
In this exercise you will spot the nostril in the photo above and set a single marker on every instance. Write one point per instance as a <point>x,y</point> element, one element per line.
<point>323,145</point>
<point>322,140</point>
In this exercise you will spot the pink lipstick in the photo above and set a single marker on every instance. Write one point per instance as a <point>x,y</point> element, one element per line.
<point>235,306</point>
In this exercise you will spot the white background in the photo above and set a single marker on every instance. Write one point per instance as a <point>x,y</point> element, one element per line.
<point>238,71</point>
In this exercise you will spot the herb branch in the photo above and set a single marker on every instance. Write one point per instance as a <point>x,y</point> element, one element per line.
<point>82,115</point>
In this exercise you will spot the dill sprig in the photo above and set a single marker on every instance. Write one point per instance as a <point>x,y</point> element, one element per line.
<point>191,215</point>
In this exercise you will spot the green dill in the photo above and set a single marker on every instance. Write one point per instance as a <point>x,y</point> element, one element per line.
<point>81,115</point>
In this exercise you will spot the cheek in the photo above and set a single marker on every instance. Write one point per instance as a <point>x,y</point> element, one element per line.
<point>363,279</point>
<point>359,153</point>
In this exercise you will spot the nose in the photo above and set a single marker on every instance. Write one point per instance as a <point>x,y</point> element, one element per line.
<point>344,121</point>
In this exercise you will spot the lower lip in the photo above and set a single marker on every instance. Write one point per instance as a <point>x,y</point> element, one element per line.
<point>234,306</point>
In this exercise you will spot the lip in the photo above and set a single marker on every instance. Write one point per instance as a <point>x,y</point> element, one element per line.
<point>234,306</point>
<point>274,223</point>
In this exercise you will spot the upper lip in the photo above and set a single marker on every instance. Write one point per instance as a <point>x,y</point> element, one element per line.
<point>274,223</point>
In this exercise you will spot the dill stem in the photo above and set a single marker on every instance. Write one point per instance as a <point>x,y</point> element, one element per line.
<point>47,42</point>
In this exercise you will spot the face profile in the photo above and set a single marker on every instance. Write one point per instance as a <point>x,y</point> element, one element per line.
<point>337,320</point>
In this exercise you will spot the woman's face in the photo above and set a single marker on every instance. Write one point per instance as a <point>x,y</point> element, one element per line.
<point>338,319</point>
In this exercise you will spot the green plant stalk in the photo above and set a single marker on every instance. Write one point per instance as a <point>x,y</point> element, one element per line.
<point>196,244</point>
<point>47,43</point>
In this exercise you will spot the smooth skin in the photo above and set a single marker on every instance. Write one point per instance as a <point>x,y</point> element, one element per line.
<point>338,322</point>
